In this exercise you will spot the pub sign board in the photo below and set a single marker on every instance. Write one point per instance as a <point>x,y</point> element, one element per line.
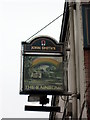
<point>42,67</point>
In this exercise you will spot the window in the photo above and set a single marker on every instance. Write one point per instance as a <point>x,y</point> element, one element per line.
<point>86,25</point>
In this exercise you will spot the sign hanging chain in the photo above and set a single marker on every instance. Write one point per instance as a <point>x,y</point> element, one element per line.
<point>44,27</point>
<point>47,25</point>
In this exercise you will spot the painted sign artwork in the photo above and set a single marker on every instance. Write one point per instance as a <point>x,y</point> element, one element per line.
<point>42,67</point>
<point>43,73</point>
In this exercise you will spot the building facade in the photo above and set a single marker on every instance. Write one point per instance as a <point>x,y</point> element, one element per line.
<point>75,35</point>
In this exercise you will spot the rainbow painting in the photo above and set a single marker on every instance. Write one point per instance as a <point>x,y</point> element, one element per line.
<point>42,61</point>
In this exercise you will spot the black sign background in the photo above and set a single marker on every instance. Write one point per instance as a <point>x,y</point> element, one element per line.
<point>43,44</point>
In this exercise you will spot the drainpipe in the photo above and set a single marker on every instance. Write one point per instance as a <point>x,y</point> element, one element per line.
<point>73,65</point>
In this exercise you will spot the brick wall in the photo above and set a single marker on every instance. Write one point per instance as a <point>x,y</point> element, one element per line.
<point>87,76</point>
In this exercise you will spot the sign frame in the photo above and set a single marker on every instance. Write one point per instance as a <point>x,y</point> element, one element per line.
<point>40,46</point>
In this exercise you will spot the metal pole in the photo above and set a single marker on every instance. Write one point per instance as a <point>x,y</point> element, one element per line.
<point>73,65</point>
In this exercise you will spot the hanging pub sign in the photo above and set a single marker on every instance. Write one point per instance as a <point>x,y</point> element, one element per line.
<point>42,67</point>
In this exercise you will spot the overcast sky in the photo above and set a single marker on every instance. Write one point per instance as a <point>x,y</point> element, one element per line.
<point>20,19</point>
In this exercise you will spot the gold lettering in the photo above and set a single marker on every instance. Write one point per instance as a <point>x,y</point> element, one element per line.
<point>37,87</point>
<point>48,48</point>
<point>36,48</point>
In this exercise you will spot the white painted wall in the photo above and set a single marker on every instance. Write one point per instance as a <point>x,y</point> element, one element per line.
<point>79,62</point>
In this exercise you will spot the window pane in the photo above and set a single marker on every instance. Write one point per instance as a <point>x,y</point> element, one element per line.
<point>86,25</point>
